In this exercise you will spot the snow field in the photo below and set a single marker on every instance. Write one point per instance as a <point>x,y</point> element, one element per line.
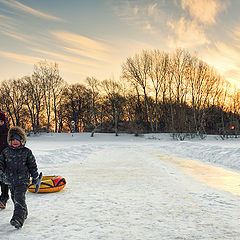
<point>124,188</point>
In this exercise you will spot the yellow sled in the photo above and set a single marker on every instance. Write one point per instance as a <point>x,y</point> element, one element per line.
<point>49,184</point>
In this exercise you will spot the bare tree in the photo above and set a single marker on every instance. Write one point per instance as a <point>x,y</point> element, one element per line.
<point>158,73</point>
<point>177,89</point>
<point>234,107</point>
<point>113,91</point>
<point>205,89</point>
<point>75,105</point>
<point>58,84</point>
<point>93,84</point>
<point>33,98</point>
<point>51,83</point>
<point>136,70</point>
<point>12,99</point>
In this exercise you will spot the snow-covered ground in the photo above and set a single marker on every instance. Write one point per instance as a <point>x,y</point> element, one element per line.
<point>133,188</point>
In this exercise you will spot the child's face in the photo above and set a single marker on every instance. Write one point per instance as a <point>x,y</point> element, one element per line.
<point>1,122</point>
<point>15,143</point>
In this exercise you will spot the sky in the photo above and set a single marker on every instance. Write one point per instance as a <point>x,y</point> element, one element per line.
<point>93,38</point>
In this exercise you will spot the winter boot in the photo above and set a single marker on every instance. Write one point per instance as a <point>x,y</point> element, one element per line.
<point>3,202</point>
<point>16,223</point>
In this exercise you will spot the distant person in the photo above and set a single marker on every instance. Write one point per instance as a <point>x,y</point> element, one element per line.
<point>3,144</point>
<point>18,163</point>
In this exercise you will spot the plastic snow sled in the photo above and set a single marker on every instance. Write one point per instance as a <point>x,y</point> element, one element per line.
<point>49,184</point>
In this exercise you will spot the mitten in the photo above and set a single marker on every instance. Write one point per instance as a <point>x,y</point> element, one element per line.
<point>35,181</point>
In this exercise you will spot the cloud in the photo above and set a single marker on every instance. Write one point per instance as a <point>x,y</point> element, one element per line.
<point>7,22</point>
<point>72,68</point>
<point>188,34</point>
<point>224,56</point>
<point>3,17</point>
<point>83,46</point>
<point>125,10</point>
<point>148,27</point>
<point>225,59</point>
<point>19,6</point>
<point>235,35</point>
<point>204,11</point>
<point>20,57</point>
<point>141,14</point>
<point>20,37</point>
<point>152,9</point>
<point>74,60</point>
<point>154,12</point>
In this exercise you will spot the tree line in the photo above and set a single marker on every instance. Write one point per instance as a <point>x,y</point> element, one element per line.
<point>157,92</point>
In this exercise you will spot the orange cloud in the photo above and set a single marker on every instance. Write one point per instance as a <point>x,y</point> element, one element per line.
<point>83,46</point>
<point>67,58</point>
<point>66,67</point>
<point>204,11</point>
<point>225,59</point>
<point>145,16</point>
<point>235,35</point>
<point>188,34</point>
<point>20,57</point>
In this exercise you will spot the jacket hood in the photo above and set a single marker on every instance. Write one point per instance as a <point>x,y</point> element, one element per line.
<point>17,130</point>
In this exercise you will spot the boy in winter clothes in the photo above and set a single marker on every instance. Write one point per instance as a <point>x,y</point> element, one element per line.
<point>18,163</point>
<point>3,144</point>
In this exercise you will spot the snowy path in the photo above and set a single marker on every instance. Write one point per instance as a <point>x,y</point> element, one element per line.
<point>122,190</point>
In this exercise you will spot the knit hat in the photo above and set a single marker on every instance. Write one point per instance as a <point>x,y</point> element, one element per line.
<point>3,117</point>
<point>16,136</point>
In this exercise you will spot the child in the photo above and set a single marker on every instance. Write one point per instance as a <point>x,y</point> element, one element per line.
<point>18,163</point>
<point>3,144</point>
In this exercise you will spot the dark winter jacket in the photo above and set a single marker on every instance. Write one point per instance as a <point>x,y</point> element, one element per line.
<point>18,163</point>
<point>3,137</point>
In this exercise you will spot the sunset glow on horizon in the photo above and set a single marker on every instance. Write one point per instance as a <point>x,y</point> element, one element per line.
<point>94,38</point>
